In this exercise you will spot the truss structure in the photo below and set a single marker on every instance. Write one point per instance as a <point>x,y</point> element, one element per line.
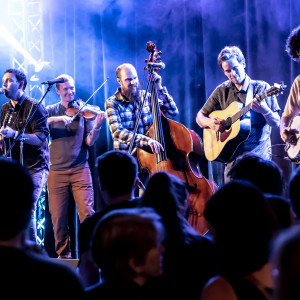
<point>26,28</point>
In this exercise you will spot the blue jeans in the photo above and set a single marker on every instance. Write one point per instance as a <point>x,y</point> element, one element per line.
<point>39,181</point>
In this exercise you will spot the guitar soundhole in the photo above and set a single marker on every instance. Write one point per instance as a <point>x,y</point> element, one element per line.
<point>228,123</point>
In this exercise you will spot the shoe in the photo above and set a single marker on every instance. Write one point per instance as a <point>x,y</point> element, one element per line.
<point>66,256</point>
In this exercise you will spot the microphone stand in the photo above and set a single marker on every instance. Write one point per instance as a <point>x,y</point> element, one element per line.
<point>30,116</point>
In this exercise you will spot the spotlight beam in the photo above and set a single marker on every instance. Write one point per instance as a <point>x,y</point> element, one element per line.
<point>7,36</point>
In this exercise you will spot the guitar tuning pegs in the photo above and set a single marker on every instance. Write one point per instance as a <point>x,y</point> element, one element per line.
<point>277,85</point>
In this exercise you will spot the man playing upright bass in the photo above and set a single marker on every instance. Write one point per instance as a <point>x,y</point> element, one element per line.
<point>122,109</point>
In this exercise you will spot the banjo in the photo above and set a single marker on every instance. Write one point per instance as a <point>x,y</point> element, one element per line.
<point>293,150</point>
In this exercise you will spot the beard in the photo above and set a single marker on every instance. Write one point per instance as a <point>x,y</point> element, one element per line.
<point>133,95</point>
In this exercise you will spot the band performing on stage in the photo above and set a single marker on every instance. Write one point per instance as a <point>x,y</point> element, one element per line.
<point>167,206</point>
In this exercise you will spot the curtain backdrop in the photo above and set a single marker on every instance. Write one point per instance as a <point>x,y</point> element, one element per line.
<point>89,39</point>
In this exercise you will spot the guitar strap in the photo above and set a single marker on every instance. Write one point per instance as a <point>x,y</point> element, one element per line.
<point>250,95</point>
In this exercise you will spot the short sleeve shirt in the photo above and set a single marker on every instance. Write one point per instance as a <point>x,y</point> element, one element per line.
<point>259,140</point>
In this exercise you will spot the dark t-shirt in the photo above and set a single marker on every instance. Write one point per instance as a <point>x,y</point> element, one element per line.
<point>188,267</point>
<point>87,226</point>
<point>67,143</point>
<point>26,275</point>
<point>126,289</point>
<point>246,290</point>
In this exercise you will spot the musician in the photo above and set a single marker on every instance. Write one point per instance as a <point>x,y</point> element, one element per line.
<point>69,142</point>
<point>35,151</point>
<point>240,88</point>
<point>292,106</point>
<point>122,110</point>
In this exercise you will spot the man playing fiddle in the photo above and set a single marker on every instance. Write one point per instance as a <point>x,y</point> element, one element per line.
<point>122,110</point>
<point>69,142</point>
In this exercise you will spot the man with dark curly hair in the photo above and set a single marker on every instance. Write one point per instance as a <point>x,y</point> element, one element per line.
<point>292,106</point>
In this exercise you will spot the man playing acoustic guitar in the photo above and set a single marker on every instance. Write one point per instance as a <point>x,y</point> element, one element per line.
<point>251,131</point>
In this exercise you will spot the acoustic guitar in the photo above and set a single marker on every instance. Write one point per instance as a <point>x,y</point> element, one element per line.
<point>221,146</point>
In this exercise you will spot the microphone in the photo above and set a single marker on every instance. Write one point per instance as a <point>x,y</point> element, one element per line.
<point>56,80</point>
<point>156,65</point>
<point>2,91</point>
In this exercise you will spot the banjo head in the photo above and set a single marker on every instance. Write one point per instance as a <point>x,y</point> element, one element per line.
<point>293,150</point>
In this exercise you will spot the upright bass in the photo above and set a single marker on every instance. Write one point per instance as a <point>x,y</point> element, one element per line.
<point>181,156</point>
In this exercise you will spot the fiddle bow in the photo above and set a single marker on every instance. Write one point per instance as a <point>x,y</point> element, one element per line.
<point>84,104</point>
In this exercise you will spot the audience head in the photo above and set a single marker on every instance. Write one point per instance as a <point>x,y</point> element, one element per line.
<point>242,225</point>
<point>161,184</point>
<point>281,209</point>
<point>294,192</point>
<point>167,194</point>
<point>118,172</point>
<point>127,243</point>
<point>265,174</point>
<point>286,261</point>
<point>17,199</point>
<point>292,46</point>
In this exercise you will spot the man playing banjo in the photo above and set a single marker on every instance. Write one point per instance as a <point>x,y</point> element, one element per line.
<point>292,106</point>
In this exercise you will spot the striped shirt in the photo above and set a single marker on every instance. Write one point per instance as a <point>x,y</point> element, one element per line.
<point>122,114</point>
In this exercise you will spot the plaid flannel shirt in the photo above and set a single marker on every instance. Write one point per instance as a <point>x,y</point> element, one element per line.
<point>122,114</point>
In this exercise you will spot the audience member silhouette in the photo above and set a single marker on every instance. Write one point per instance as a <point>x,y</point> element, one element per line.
<point>294,194</point>
<point>127,246</point>
<point>189,259</point>
<point>265,174</point>
<point>26,273</point>
<point>243,226</point>
<point>118,178</point>
<point>282,210</point>
<point>286,262</point>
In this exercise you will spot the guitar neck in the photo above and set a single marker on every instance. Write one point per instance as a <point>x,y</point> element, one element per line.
<point>245,109</point>
<point>240,113</point>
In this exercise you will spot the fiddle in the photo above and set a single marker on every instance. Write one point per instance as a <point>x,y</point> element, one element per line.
<point>87,111</point>
<point>82,109</point>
